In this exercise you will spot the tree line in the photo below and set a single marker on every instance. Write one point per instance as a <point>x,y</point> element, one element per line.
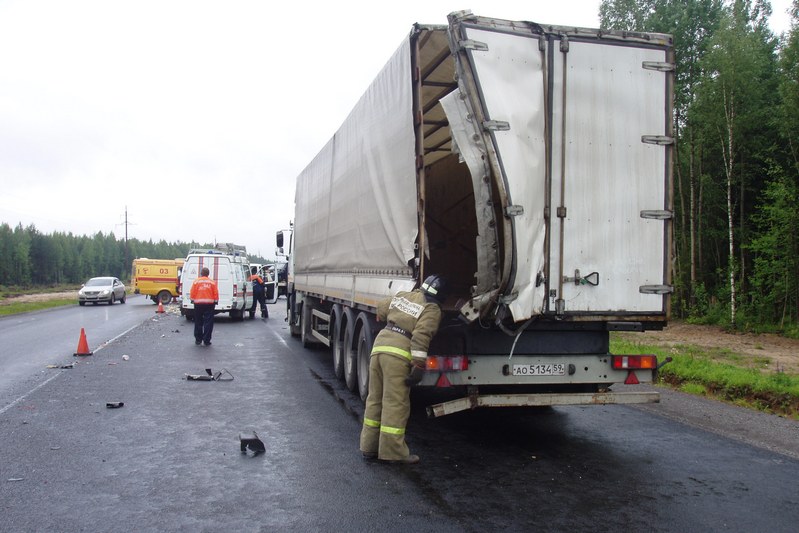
<point>736,164</point>
<point>31,258</point>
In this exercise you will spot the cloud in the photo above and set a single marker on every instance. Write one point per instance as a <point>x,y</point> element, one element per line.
<point>196,116</point>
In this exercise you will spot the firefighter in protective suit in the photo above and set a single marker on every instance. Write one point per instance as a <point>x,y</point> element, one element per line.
<point>400,351</point>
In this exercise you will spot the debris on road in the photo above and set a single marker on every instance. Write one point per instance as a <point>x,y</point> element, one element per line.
<point>69,366</point>
<point>210,376</point>
<point>250,441</point>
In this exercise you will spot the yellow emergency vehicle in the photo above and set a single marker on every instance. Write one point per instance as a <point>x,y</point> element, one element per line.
<point>157,278</point>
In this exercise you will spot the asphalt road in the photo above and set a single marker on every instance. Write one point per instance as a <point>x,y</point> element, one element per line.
<point>170,459</point>
<point>31,341</point>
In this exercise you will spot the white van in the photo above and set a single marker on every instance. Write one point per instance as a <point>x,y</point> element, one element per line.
<point>229,267</point>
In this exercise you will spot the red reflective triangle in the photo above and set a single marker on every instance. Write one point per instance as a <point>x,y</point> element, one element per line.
<point>632,379</point>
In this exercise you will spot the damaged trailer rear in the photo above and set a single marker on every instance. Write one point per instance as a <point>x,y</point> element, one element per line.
<point>530,165</point>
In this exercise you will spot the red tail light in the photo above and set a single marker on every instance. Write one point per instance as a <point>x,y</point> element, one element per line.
<point>625,362</point>
<point>447,363</point>
<point>235,290</point>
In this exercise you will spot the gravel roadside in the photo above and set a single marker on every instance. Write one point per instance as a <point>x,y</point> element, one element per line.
<point>762,430</point>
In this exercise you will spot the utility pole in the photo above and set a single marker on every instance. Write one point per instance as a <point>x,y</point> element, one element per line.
<point>127,264</point>
<point>127,254</point>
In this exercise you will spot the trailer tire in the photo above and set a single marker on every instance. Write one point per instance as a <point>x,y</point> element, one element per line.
<point>292,315</point>
<point>305,325</point>
<point>363,350</point>
<point>340,319</point>
<point>350,356</point>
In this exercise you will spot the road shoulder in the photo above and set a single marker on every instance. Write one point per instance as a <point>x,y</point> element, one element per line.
<point>762,430</point>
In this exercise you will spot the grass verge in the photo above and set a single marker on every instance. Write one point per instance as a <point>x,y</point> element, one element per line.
<point>723,375</point>
<point>10,291</point>
<point>24,307</point>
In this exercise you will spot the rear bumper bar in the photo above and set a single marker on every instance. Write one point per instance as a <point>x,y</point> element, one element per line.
<point>529,400</point>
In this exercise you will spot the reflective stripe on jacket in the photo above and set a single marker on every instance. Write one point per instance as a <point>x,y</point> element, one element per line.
<point>204,291</point>
<point>409,311</point>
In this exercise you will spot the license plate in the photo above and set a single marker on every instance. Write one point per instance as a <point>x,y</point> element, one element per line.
<point>556,369</point>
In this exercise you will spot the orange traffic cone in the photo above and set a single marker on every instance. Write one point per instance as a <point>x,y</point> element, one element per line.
<point>83,346</point>
<point>160,307</point>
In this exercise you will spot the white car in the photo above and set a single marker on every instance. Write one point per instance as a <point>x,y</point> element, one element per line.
<point>106,289</point>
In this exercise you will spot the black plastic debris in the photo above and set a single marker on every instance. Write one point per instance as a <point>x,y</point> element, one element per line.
<point>250,441</point>
<point>114,405</point>
<point>69,366</point>
<point>210,376</point>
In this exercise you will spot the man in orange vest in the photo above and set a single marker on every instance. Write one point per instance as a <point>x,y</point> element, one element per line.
<point>258,294</point>
<point>204,295</point>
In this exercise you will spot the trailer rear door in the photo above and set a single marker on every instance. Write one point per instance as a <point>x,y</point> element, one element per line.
<point>610,179</point>
<point>579,124</point>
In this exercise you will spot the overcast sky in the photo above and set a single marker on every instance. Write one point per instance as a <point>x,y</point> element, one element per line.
<point>194,115</point>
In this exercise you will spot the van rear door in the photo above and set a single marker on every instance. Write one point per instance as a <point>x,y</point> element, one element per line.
<point>222,272</point>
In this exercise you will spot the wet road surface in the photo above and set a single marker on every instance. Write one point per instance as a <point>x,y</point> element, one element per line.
<point>169,459</point>
<point>30,341</point>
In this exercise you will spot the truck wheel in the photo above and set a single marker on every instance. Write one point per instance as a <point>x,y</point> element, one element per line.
<point>292,317</point>
<point>350,357</point>
<point>164,297</point>
<point>237,315</point>
<point>340,319</point>
<point>305,325</point>
<point>364,352</point>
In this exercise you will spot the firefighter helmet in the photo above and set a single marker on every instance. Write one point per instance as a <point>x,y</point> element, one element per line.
<point>433,286</point>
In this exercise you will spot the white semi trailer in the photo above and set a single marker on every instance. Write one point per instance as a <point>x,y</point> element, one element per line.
<point>528,164</point>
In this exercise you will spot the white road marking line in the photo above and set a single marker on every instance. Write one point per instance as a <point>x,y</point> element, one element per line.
<point>34,389</point>
<point>51,378</point>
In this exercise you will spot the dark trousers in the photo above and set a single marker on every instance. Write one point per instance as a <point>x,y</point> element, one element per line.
<point>259,297</point>
<point>203,322</point>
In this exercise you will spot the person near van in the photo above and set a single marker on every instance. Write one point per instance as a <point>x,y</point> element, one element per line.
<point>204,295</point>
<point>398,360</point>
<point>258,293</point>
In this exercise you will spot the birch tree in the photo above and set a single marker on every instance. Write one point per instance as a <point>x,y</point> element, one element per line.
<point>734,96</point>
